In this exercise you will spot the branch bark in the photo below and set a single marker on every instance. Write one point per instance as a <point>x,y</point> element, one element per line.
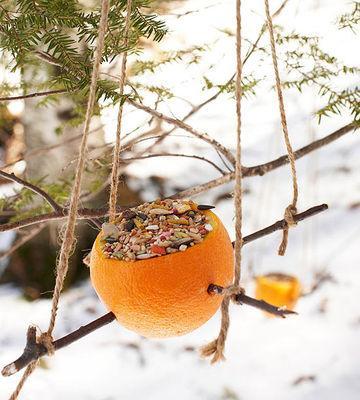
<point>242,298</point>
<point>36,94</point>
<point>22,240</point>
<point>182,125</point>
<point>33,188</point>
<point>262,169</point>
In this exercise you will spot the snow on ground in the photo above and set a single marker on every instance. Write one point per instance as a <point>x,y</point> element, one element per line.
<point>264,356</point>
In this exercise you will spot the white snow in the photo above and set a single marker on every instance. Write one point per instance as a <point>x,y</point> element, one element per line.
<point>264,356</point>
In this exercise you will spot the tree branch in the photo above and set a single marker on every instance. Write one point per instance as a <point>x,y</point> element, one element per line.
<point>22,240</point>
<point>279,225</point>
<point>242,298</point>
<point>12,177</point>
<point>83,213</point>
<point>262,169</point>
<point>182,125</point>
<point>34,350</point>
<point>152,155</point>
<point>36,94</point>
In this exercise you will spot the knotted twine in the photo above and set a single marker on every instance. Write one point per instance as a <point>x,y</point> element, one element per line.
<point>217,346</point>
<point>290,210</point>
<point>69,236</point>
<point>114,185</point>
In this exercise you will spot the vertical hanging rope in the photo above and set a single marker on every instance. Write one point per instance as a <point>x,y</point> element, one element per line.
<point>217,346</point>
<point>290,211</point>
<point>114,185</point>
<point>69,237</point>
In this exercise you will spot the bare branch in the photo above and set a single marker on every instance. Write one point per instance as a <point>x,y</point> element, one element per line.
<point>125,160</point>
<point>262,169</point>
<point>182,125</point>
<point>280,225</point>
<point>22,240</point>
<point>251,171</point>
<point>83,213</point>
<point>36,94</point>
<point>33,188</point>
<point>241,298</point>
<point>34,350</point>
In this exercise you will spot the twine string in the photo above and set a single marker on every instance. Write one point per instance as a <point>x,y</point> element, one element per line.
<point>69,235</point>
<point>115,171</point>
<point>291,210</point>
<point>216,347</point>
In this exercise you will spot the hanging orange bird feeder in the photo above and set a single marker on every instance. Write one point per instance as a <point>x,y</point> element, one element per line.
<point>278,289</point>
<point>153,265</point>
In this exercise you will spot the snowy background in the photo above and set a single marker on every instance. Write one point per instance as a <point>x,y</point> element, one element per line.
<point>315,355</point>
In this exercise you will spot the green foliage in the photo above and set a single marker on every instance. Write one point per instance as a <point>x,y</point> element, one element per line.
<point>248,85</point>
<point>308,65</point>
<point>62,33</point>
<point>191,55</point>
<point>350,20</point>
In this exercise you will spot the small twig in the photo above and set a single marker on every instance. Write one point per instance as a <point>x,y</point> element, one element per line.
<point>262,169</point>
<point>242,298</point>
<point>33,188</point>
<point>34,350</point>
<point>22,240</point>
<point>83,213</point>
<point>125,160</point>
<point>182,125</point>
<point>279,225</point>
<point>36,94</point>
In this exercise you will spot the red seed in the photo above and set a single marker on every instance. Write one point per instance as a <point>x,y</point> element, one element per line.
<point>158,249</point>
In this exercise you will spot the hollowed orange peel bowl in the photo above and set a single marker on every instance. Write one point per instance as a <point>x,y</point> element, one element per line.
<point>165,296</point>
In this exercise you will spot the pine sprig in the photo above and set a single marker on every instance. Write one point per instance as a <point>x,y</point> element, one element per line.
<point>64,34</point>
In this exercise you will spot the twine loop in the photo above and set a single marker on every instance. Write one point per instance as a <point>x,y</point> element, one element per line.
<point>233,291</point>
<point>46,340</point>
<point>289,214</point>
<point>217,346</point>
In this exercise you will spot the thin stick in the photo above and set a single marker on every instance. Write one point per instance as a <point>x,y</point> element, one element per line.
<point>279,225</point>
<point>22,240</point>
<point>36,94</point>
<point>83,213</point>
<point>262,169</point>
<point>182,125</point>
<point>33,188</point>
<point>34,350</point>
<point>152,155</point>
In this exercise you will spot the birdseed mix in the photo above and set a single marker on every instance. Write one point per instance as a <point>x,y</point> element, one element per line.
<point>155,229</point>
